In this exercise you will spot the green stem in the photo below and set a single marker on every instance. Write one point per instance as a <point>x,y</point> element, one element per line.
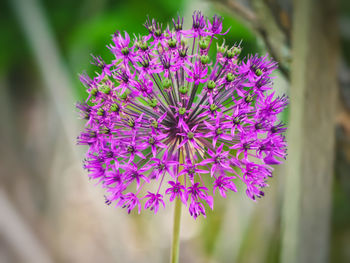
<point>175,246</point>
<point>176,232</point>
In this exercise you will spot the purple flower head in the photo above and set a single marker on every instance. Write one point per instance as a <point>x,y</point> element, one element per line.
<point>164,120</point>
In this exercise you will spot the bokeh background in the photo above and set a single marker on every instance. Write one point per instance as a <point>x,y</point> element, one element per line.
<point>51,212</point>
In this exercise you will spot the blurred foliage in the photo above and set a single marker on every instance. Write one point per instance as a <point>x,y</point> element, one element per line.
<point>14,48</point>
<point>82,28</point>
<point>345,16</point>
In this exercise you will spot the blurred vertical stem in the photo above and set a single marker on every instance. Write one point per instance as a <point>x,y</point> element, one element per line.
<point>175,246</point>
<point>36,27</point>
<point>308,194</point>
<point>176,232</point>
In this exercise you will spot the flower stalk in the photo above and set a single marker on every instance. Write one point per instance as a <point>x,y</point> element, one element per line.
<point>175,246</point>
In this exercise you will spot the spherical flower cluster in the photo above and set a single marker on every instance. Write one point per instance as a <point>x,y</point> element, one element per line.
<point>166,120</point>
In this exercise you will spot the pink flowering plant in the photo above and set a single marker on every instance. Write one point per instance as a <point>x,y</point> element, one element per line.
<point>166,121</point>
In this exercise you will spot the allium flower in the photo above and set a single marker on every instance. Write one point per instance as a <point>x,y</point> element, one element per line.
<point>165,120</point>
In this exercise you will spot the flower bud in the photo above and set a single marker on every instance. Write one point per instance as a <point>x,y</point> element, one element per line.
<point>105,89</point>
<point>143,46</point>
<point>203,44</point>
<point>237,51</point>
<point>182,111</point>
<point>130,149</point>
<point>183,50</point>
<point>178,27</point>
<point>131,123</point>
<point>125,51</point>
<point>93,91</point>
<point>153,103</point>
<point>166,83</point>
<point>221,49</point>
<point>151,140</point>
<point>248,99</point>
<point>258,72</point>
<point>144,63</point>
<point>183,90</point>
<point>211,84</point>
<point>158,33</point>
<point>204,59</point>
<point>213,107</point>
<point>105,130</point>
<point>100,112</point>
<point>230,54</point>
<point>124,96</point>
<point>105,78</point>
<point>219,131</point>
<point>230,77</point>
<point>114,107</point>
<point>154,124</point>
<point>172,43</point>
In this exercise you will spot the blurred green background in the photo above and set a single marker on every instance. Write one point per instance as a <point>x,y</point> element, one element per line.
<point>49,210</point>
